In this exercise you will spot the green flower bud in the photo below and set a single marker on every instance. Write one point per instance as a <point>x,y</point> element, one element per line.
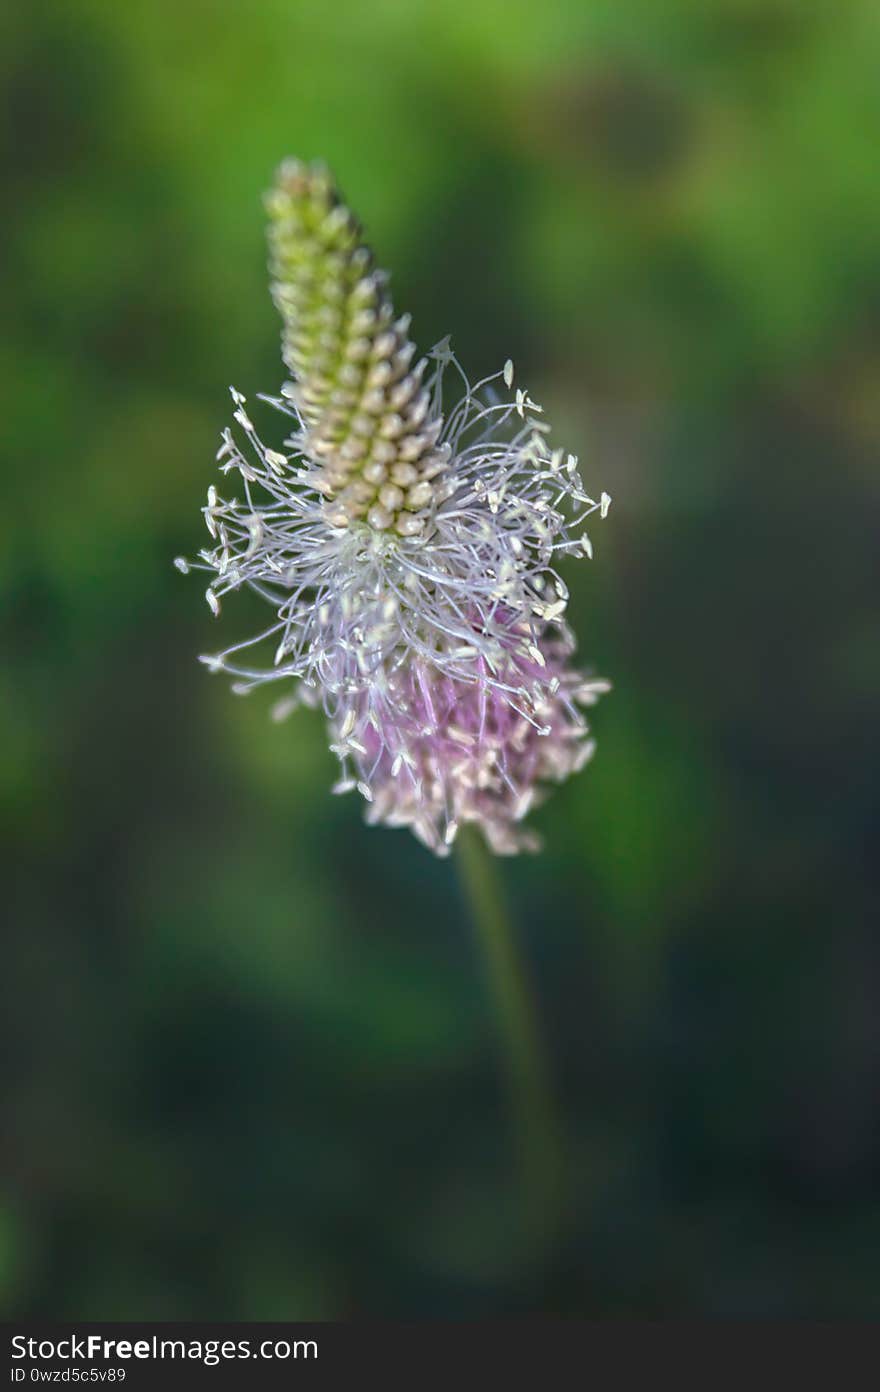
<point>370,429</point>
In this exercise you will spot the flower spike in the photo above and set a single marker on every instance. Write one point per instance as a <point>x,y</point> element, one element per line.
<point>409,552</point>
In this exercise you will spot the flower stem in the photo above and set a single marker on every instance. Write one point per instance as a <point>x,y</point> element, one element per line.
<point>534,1114</point>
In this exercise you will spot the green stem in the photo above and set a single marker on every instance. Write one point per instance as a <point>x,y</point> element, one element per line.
<point>537,1134</point>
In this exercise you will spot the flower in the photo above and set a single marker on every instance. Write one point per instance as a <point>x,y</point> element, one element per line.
<point>465,751</point>
<point>406,539</point>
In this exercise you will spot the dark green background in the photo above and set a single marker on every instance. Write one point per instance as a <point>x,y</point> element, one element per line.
<point>250,1068</point>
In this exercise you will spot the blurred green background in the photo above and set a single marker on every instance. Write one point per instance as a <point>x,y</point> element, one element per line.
<point>250,1068</point>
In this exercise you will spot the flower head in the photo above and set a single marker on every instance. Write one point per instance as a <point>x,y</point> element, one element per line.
<point>407,539</point>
